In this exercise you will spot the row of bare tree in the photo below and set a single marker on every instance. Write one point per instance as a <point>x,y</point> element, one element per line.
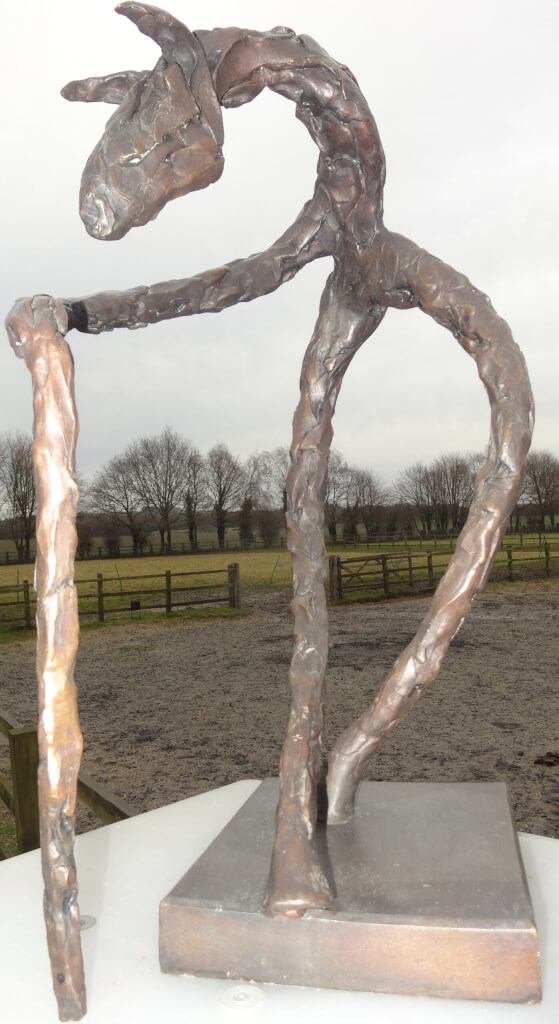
<point>18,501</point>
<point>159,481</point>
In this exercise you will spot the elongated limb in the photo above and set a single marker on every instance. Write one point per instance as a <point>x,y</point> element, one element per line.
<point>296,881</point>
<point>310,237</point>
<point>36,328</point>
<point>410,276</point>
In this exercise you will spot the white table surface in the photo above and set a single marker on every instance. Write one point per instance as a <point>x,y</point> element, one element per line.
<point>124,870</point>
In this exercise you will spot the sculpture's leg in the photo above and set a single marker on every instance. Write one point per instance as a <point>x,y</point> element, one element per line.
<point>419,663</point>
<point>296,880</point>
<point>419,278</point>
<point>36,330</point>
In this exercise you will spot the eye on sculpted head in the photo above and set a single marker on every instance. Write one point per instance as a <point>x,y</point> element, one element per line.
<point>165,138</point>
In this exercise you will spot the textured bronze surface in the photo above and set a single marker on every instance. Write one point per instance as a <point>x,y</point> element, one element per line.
<point>165,140</point>
<point>430,899</point>
<point>36,328</point>
<point>373,270</point>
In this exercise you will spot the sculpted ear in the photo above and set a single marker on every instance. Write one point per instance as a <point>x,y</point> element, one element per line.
<point>177,42</point>
<point>179,46</point>
<point>108,89</point>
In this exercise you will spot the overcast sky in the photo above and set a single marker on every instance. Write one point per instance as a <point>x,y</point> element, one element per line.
<point>465,96</point>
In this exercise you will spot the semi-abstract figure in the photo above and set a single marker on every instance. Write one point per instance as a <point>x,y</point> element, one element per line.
<point>163,141</point>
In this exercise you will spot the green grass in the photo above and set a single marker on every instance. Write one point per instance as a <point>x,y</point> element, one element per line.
<point>131,578</point>
<point>8,839</point>
<point>256,568</point>
<point>8,636</point>
<point>127,579</point>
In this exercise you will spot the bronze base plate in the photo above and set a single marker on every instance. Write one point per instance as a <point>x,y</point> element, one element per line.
<point>431,900</point>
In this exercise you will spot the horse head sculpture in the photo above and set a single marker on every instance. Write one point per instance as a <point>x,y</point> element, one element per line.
<point>165,138</point>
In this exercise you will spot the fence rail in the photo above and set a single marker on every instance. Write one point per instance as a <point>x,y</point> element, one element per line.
<point>19,793</point>
<point>97,552</point>
<point>102,596</point>
<point>381,541</point>
<point>390,574</point>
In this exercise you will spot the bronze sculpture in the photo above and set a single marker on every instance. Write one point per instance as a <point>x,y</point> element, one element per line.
<point>164,141</point>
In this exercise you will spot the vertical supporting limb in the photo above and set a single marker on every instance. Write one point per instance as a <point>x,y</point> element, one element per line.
<point>421,279</point>
<point>296,880</point>
<point>36,328</point>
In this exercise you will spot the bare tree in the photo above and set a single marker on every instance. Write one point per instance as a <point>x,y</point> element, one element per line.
<point>225,486</point>
<point>194,493</point>
<point>335,491</point>
<point>160,467</point>
<point>374,497</point>
<point>364,495</point>
<point>440,493</point>
<point>257,495</point>
<point>454,488</point>
<point>541,484</point>
<point>17,489</point>
<point>353,500</point>
<point>87,528</point>
<point>414,487</point>
<point>115,495</point>
<point>273,466</point>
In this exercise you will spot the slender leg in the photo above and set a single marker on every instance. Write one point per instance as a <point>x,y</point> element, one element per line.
<point>447,296</point>
<point>296,880</point>
<point>419,663</point>
<point>36,330</point>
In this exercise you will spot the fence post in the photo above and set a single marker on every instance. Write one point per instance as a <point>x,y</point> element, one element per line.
<point>168,603</point>
<point>24,758</point>
<point>509,564</point>
<point>333,578</point>
<point>100,599</point>
<point>547,560</point>
<point>410,570</point>
<point>385,581</point>
<point>430,571</point>
<point>234,584</point>
<point>26,604</point>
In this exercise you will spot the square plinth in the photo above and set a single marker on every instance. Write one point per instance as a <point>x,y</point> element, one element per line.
<point>431,899</point>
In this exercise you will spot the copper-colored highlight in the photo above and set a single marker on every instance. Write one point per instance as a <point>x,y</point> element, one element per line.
<point>36,328</point>
<point>374,269</point>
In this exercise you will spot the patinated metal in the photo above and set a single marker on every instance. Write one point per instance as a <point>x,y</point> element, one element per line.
<point>164,141</point>
<point>430,899</point>
<point>37,328</point>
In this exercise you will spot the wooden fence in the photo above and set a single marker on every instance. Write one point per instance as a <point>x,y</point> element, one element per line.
<point>104,596</point>
<point>19,793</point>
<point>381,541</point>
<point>407,572</point>
<point>98,552</point>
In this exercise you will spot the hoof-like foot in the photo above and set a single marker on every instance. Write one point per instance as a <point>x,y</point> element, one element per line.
<point>342,787</point>
<point>297,882</point>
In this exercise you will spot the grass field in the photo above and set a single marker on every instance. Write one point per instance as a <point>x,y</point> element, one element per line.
<point>133,578</point>
<point>128,579</point>
<point>256,568</point>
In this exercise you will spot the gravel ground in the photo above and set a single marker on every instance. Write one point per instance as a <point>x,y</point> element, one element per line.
<point>170,709</point>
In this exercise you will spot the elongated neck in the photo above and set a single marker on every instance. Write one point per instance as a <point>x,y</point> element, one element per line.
<point>328,101</point>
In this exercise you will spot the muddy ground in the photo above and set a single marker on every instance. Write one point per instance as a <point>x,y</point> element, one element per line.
<point>171,709</point>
